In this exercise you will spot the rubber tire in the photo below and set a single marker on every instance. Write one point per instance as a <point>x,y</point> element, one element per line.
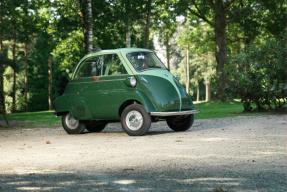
<point>95,126</point>
<point>80,129</point>
<point>180,123</point>
<point>146,120</point>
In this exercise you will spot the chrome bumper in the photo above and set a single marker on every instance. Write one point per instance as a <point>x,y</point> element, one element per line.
<point>173,113</point>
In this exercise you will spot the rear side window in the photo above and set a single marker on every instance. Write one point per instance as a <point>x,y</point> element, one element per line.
<point>91,67</point>
<point>114,66</point>
<point>102,65</point>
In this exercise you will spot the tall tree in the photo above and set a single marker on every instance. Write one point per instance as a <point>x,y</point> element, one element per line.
<point>187,84</point>
<point>128,22</point>
<point>14,66</point>
<point>2,97</point>
<point>87,15</point>
<point>50,83</point>
<point>219,8</point>
<point>147,23</point>
<point>214,12</point>
<point>165,24</point>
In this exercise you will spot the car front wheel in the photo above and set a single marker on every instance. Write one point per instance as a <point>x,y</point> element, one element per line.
<point>180,123</point>
<point>72,125</point>
<point>135,120</point>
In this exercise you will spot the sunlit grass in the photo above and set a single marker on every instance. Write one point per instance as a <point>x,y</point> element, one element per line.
<point>207,110</point>
<point>218,109</point>
<point>34,119</point>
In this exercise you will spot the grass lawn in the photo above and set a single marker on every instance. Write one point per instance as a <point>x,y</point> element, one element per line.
<point>34,119</point>
<point>218,109</point>
<point>48,119</point>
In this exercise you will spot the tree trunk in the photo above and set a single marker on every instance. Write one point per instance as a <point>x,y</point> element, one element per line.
<point>14,72</point>
<point>147,24</point>
<point>187,70</point>
<point>167,50</point>
<point>127,23</point>
<point>87,15</point>
<point>221,51</point>
<point>128,36</point>
<point>26,77</point>
<point>2,97</point>
<point>50,83</point>
<point>207,91</point>
<point>197,92</point>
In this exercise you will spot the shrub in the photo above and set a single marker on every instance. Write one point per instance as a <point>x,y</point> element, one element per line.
<point>259,76</point>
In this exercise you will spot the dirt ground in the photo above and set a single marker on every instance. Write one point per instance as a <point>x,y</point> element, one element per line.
<point>247,153</point>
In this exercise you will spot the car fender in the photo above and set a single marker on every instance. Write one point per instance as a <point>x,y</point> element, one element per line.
<point>78,107</point>
<point>145,101</point>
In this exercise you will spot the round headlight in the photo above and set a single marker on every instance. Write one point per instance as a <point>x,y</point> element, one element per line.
<point>133,81</point>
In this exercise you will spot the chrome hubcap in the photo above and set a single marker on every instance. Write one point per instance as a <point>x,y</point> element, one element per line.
<point>134,120</point>
<point>71,122</point>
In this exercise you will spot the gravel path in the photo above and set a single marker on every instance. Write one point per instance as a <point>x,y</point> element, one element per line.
<point>245,153</point>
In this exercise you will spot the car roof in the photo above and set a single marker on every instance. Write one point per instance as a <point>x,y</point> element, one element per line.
<point>119,50</point>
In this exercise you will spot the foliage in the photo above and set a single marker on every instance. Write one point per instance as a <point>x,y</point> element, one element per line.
<point>69,51</point>
<point>41,31</point>
<point>195,35</point>
<point>258,76</point>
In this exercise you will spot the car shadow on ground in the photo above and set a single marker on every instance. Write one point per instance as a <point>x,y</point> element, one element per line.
<point>150,180</point>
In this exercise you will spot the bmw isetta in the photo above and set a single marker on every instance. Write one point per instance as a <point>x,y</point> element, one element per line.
<point>129,85</point>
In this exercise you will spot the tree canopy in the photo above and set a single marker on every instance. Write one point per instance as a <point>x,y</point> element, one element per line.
<point>215,47</point>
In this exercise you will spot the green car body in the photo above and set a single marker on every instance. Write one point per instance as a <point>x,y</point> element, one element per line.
<point>104,97</point>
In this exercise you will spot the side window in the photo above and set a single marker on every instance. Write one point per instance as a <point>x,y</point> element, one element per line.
<point>101,65</point>
<point>113,65</point>
<point>91,67</point>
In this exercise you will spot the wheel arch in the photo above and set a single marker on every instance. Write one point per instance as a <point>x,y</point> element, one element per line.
<point>127,103</point>
<point>60,113</point>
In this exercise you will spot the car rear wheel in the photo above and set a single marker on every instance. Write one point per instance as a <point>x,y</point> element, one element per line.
<point>180,123</point>
<point>95,126</point>
<point>135,120</point>
<point>72,125</point>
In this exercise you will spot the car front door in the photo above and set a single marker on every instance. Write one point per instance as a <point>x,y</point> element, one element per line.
<point>110,90</point>
<point>101,87</point>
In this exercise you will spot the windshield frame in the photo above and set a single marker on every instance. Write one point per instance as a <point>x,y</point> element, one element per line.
<point>158,61</point>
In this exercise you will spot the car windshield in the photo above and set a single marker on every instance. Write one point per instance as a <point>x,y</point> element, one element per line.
<point>144,61</point>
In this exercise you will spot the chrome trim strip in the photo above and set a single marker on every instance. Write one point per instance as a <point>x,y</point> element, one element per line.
<point>173,113</point>
<point>97,81</point>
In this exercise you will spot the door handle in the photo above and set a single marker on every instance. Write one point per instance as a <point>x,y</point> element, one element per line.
<point>94,78</point>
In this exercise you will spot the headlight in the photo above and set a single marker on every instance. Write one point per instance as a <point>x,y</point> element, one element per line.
<point>133,81</point>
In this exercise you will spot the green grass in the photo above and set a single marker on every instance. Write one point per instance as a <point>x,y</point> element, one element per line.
<point>218,109</point>
<point>34,119</point>
<point>48,119</point>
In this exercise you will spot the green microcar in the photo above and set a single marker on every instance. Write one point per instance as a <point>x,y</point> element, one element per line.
<point>130,85</point>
